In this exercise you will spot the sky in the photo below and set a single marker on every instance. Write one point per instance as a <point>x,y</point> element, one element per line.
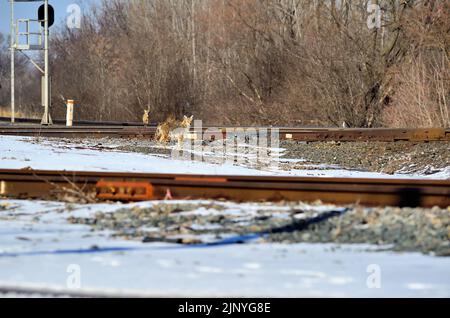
<point>29,10</point>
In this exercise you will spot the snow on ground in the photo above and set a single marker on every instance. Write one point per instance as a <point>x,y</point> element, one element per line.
<point>22,152</point>
<point>19,152</point>
<point>38,245</point>
<point>39,248</point>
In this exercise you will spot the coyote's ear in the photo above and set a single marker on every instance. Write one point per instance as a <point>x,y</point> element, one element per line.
<point>192,117</point>
<point>184,117</point>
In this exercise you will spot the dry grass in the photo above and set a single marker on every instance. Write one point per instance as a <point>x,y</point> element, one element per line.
<point>422,97</point>
<point>5,112</point>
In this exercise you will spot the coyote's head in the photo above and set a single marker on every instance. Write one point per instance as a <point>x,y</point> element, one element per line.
<point>187,121</point>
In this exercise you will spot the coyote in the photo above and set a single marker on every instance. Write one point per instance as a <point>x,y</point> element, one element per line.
<point>173,129</point>
<point>146,117</point>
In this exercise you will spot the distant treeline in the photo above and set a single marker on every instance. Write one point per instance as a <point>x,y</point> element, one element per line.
<point>280,62</point>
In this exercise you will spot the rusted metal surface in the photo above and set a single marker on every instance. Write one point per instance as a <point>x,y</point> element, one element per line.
<point>62,122</point>
<point>376,134</point>
<point>372,192</point>
<point>297,134</point>
<point>78,132</point>
<point>124,191</point>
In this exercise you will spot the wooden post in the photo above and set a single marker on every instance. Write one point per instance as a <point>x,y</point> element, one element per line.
<point>69,116</point>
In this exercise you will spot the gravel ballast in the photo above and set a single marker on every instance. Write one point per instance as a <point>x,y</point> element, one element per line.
<point>385,157</point>
<point>398,229</point>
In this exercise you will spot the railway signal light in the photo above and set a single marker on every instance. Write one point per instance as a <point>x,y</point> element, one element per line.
<point>46,18</point>
<point>51,15</point>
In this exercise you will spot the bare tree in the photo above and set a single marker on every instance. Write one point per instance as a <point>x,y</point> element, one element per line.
<point>280,62</point>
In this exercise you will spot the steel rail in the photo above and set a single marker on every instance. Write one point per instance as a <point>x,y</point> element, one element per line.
<point>371,192</point>
<point>284,133</point>
<point>62,122</point>
<point>79,132</point>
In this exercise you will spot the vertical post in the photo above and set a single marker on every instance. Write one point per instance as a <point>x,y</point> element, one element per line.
<point>69,115</point>
<point>12,36</point>
<point>194,45</point>
<point>46,120</point>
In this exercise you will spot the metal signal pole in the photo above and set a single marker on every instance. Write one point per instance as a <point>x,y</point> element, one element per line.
<point>46,120</point>
<point>45,21</point>
<point>12,35</point>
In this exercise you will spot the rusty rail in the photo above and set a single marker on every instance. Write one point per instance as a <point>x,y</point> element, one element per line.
<point>123,187</point>
<point>370,134</point>
<point>78,132</point>
<point>37,121</point>
<point>296,134</point>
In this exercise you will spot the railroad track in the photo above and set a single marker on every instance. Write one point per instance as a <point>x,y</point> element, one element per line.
<point>142,186</point>
<point>284,133</point>
<point>62,122</point>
